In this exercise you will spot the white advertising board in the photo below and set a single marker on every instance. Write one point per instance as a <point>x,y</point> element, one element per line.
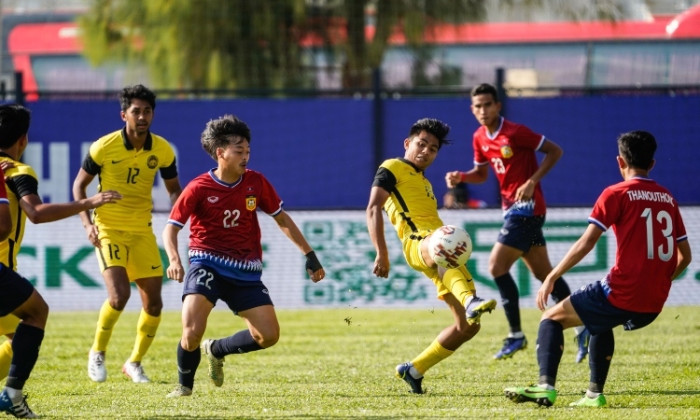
<point>58,259</point>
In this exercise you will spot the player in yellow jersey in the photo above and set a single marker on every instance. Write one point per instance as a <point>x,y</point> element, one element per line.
<point>401,189</point>
<point>128,160</point>
<point>19,298</point>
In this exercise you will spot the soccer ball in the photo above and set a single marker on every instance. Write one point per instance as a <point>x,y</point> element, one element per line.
<point>450,246</point>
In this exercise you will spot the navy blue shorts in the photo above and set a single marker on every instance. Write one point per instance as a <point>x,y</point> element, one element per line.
<point>598,314</point>
<point>15,290</point>
<point>239,295</point>
<point>522,232</point>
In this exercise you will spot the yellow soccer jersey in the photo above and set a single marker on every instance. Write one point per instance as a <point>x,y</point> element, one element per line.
<point>20,181</point>
<point>131,172</point>
<point>412,207</point>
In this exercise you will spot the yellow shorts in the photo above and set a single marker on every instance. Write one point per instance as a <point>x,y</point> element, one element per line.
<point>411,251</point>
<point>8,324</point>
<point>136,251</point>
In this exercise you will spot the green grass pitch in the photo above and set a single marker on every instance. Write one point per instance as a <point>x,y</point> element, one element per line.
<point>339,364</point>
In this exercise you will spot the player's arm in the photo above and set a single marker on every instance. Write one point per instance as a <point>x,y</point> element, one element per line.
<point>39,212</point>
<point>5,216</point>
<point>375,226</point>
<point>291,231</point>
<point>477,175</point>
<point>5,220</point>
<point>552,154</point>
<point>171,181</point>
<point>578,250</point>
<point>173,187</point>
<point>175,270</point>
<point>80,184</point>
<point>684,258</point>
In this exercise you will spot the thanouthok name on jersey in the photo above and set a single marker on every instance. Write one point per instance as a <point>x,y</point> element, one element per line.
<point>656,196</point>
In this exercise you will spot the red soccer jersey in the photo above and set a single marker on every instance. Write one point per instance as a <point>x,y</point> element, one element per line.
<point>647,225</point>
<point>223,217</point>
<point>511,153</point>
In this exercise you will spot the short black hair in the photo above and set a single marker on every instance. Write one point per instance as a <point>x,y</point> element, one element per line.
<point>14,123</point>
<point>130,93</point>
<point>485,89</point>
<point>433,126</point>
<point>637,148</point>
<point>223,131</point>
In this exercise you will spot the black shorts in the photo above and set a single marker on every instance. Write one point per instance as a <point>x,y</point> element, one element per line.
<point>598,314</point>
<point>239,295</point>
<point>14,290</point>
<point>522,232</point>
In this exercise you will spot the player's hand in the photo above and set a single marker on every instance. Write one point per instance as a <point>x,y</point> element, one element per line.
<point>93,234</point>
<point>543,293</point>
<point>6,164</point>
<point>104,197</point>
<point>176,272</point>
<point>453,178</point>
<point>314,267</point>
<point>526,191</point>
<point>381,266</point>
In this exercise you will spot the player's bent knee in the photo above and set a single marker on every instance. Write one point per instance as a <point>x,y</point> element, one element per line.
<point>267,340</point>
<point>190,343</point>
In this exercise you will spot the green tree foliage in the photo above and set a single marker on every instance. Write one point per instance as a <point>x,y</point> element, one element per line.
<point>276,44</point>
<point>217,44</point>
<point>203,44</point>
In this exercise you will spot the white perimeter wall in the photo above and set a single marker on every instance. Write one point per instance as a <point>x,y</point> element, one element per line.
<point>57,258</point>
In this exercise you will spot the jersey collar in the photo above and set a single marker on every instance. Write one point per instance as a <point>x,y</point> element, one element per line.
<point>408,162</point>
<point>146,146</point>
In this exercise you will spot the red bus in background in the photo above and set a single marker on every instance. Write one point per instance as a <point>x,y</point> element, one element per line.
<point>662,52</point>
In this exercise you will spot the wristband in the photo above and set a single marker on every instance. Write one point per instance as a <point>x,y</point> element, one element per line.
<point>312,262</point>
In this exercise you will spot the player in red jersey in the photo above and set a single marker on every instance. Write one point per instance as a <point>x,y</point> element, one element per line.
<point>225,253</point>
<point>510,150</point>
<point>652,250</point>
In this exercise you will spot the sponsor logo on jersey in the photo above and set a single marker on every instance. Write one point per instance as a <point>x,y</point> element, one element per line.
<point>152,162</point>
<point>506,152</point>
<point>251,203</point>
<point>213,199</point>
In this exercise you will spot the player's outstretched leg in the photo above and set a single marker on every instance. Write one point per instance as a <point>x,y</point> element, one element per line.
<point>403,371</point>
<point>216,365</point>
<point>541,395</point>
<point>477,306</point>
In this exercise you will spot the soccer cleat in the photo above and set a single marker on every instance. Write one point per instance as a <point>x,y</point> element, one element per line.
<point>19,409</point>
<point>510,346</point>
<point>582,339</point>
<point>478,306</point>
<point>403,371</point>
<point>598,401</point>
<point>537,394</point>
<point>96,366</point>
<point>180,391</point>
<point>134,371</point>
<point>216,365</point>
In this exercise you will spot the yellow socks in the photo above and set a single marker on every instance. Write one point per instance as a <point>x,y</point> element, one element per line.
<point>105,323</point>
<point>145,333</point>
<point>459,282</point>
<point>431,356</point>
